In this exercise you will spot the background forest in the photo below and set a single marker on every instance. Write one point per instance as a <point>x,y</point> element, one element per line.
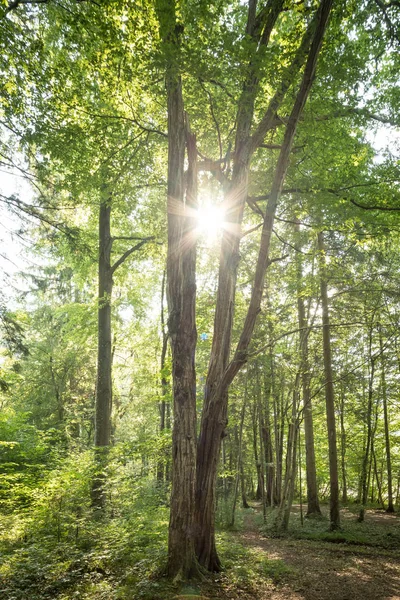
<point>147,152</point>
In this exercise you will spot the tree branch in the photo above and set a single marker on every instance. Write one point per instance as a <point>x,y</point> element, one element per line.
<point>16,3</point>
<point>344,112</point>
<point>126,254</point>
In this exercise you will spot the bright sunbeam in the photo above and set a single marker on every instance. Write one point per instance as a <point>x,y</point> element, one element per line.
<point>210,221</point>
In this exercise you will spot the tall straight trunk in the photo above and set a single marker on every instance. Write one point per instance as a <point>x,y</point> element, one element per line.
<point>390,507</point>
<point>278,435</point>
<point>239,466</point>
<point>267,442</point>
<point>181,293</point>
<point>260,482</point>
<point>366,465</point>
<point>164,384</point>
<point>311,472</point>
<point>183,335</point>
<point>104,354</point>
<point>221,372</point>
<point>343,449</point>
<point>245,504</point>
<point>329,393</point>
<point>378,479</point>
<point>283,515</point>
<point>261,428</point>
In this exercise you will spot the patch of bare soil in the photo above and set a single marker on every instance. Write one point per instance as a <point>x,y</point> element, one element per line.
<point>324,571</point>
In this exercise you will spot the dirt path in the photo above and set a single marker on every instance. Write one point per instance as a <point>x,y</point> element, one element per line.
<point>322,570</point>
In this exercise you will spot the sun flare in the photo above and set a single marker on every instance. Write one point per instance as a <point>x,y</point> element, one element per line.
<point>210,220</point>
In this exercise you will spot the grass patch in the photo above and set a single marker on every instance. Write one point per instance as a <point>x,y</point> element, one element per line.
<point>247,568</point>
<point>353,533</point>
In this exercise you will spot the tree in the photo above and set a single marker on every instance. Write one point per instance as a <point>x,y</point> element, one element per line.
<point>221,371</point>
<point>329,394</point>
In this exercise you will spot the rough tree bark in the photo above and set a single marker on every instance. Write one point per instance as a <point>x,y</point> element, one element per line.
<point>329,392</point>
<point>221,373</point>
<point>181,294</point>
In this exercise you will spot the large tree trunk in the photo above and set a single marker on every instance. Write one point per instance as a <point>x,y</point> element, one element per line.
<point>183,335</point>
<point>329,394</point>
<point>311,472</point>
<point>181,293</point>
<point>104,355</point>
<point>221,374</point>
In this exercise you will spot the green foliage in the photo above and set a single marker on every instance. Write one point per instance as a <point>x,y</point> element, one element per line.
<point>58,548</point>
<point>246,567</point>
<point>83,100</point>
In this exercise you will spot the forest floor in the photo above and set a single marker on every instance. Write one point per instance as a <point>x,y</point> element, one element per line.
<point>124,562</point>
<point>311,569</point>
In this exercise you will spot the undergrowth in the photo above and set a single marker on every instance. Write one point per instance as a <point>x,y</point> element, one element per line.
<point>368,533</point>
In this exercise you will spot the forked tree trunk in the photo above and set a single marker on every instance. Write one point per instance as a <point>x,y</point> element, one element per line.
<point>329,393</point>
<point>221,374</point>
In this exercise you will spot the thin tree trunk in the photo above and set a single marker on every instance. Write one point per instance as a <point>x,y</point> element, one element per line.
<point>343,449</point>
<point>329,393</point>
<point>283,516</point>
<point>269,457</point>
<point>313,508</point>
<point>164,384</point>
<point>245,504</point>
<point>239,466</point>
<point>390,507</point>
<point>261,428</point>
<point>277,435</point>
<point>300,482</point>
<point>366,458</point>
<point>378,481</point>
<point>257,460</point>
